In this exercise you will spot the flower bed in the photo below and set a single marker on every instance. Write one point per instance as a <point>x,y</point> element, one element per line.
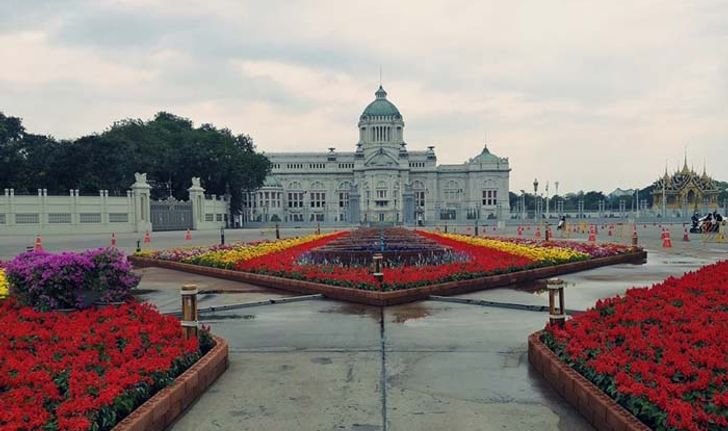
<point>86,370</point>
<point>660,352</point>
<point>3,284</point>
<point>50,281</point>
<point>444,257</point>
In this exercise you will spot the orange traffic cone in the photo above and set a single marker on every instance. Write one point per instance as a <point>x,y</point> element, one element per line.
<point>188,235</point>
<point>666,241</point>
<point>685,235</point>
<point>113,239</point>
<point>38,244</point>
<point>147,238</point>
<point>592,234</point>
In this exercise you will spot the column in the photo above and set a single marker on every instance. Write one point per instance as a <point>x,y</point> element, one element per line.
<point>197,198</point>
<point>142,204</point>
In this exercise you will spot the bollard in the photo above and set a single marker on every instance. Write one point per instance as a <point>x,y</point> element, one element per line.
<point>635,240</point>
<point>278,232</point>
<point>318,228</point>
<point>548,232</point>
<point>445,228</point>
<point>377,259</point>
<point>139,245</point>
<point>222,235</point>
<point>476,230</point>
<point>557,316</point>
<point>189,310</point>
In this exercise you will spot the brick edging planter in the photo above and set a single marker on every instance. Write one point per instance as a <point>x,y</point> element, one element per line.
<point>597,407</point>
<point>377,298</point>
<point>159,411</point>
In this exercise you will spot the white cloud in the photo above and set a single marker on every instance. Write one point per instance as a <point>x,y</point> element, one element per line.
<point>593,94</point>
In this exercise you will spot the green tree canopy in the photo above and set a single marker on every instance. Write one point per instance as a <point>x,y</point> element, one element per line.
<point>170,149</point>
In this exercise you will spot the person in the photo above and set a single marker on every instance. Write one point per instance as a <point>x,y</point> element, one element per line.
<point>695,219</point>
<point>707,223</point>
<point>562,223</point>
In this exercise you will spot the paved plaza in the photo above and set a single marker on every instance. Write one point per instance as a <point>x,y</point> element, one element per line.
<point>318,364</point>
<point>325,365</point>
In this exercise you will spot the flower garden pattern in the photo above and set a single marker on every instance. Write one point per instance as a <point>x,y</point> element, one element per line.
<point>660,352</point>
<point>461,257</point>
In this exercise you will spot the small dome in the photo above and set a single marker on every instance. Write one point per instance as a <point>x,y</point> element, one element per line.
<point>381,106</point>
<point>272,182</point>
<point>485,157</point>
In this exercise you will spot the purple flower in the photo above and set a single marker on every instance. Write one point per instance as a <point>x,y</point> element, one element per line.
<point>48,281</point>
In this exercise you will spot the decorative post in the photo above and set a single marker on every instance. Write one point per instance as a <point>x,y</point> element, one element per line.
<point>222,235</point>
<point>547,232</point>
<point>140,192</point>
<point>197,197</point>
<point>189,310</point>
<point>377,259</point>
<point>557,315</point>
<point>278,232</point>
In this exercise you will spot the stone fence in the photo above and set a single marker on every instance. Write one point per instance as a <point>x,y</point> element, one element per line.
<point>42,214</point>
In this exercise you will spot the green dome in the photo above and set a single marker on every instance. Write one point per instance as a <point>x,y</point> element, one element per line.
<point>381,106</point>
<point>271,182</point>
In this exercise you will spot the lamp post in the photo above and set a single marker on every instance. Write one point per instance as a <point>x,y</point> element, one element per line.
<point>547,200</point>
<point>535,197</point>
<point>523,204</point>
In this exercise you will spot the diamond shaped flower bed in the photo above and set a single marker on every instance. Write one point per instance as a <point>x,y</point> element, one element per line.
<point>416,263</point>
<point>661,353</point>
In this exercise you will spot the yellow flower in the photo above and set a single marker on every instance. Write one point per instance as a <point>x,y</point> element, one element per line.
<point>536,253</point>
<point>243,252</point>
<point>3,284</point>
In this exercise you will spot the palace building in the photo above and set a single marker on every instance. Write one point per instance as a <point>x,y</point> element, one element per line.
<point>381,181</point>
<point>685,191</point>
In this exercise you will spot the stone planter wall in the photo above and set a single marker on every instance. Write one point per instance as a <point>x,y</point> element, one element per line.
<point>598,408</point>
<point>399,296</point>
<point>158,412</point>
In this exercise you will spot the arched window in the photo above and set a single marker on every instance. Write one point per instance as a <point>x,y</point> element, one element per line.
<point>318,195</point>
<point>343,192</point>
<point>295,195</point>
<point>418,187</point>
<point>453,191</point>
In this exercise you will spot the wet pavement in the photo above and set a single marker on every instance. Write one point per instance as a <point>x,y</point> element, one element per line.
<point>431,365</point>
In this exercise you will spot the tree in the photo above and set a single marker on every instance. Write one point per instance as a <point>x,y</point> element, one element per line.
<point>168,148</point>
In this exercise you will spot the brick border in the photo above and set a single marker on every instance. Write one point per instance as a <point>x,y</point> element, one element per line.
<point>378,298</point>
<point>163,408</point>
<point>597,407</point>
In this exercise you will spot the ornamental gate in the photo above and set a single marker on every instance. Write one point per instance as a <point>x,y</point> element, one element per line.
<point>171,214</point>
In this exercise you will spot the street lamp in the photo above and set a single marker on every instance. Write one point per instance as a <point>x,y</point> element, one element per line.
<point>535,197</point>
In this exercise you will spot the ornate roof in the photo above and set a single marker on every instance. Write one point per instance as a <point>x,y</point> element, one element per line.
<point>381,106</point>
<point>683,179</point>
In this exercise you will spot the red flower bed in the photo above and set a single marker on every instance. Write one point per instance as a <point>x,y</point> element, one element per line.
<point>661,352</point>
<point>86,369</point>
<point>480,261</point>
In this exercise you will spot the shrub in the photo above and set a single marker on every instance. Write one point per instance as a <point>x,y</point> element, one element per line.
<point>49,281</point>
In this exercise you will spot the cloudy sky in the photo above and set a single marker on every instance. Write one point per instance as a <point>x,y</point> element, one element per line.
<point>590,94</point>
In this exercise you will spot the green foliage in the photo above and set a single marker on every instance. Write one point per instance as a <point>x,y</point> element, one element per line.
<point>168,148</point>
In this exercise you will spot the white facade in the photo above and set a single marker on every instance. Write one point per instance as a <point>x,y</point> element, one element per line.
<point>381,181</point>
